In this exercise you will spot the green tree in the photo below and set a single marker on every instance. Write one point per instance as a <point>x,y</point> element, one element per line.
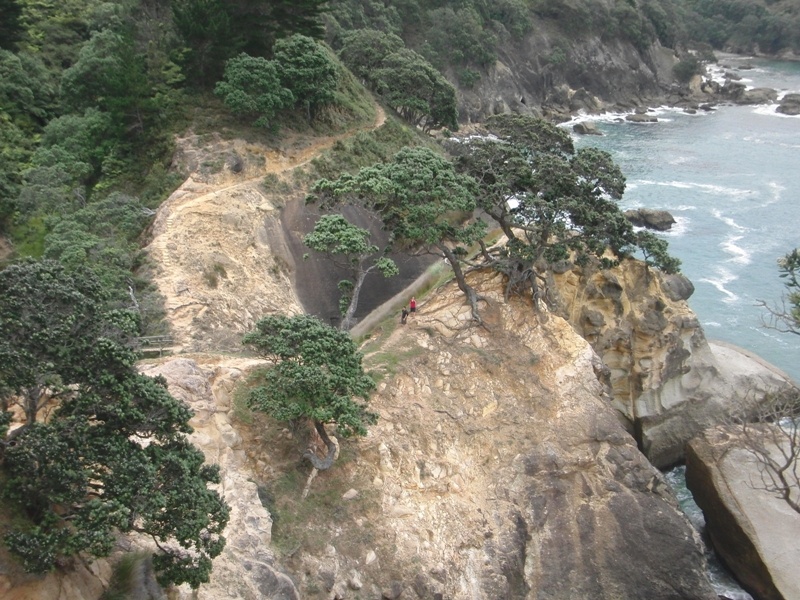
<point>417,91</point>
<point>101,448</point>
<point>364,50</point>
<point>27,94</point>
<point>252,87</point>
<point>785,316</point>
<point>307,69</point>
<point>111,75</point>
<point>405,79</point>
<point>422,201</point>
<point>349,247</point>
<point>316,374</point>
<point>551,202</point>
<point>10,26</point>
<point>207,29</point>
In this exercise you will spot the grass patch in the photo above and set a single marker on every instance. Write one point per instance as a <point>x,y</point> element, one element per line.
<point>385,364</point>
<point>323,517</point>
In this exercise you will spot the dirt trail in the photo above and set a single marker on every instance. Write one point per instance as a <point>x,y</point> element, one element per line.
<point>277,163</point>
<point>218,252</point>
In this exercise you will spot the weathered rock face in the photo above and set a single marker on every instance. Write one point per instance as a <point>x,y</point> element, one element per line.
<point>218,257</point>
<point>595,74</point>
<point>754,532</point>
<point>247,569</point>
<point>497,469</point>
<point>664,375</point>
<point>83,581</point>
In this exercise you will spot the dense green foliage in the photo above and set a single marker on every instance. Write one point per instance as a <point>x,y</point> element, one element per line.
<point>551,202</point>
<point>102,448</point>
<point>316,375</point>
<point>422,202</point>
<point>251,87</point>
<point>349,247</point>
<point>463,36</point>
<point>307,69</point>
<point>404,79</point>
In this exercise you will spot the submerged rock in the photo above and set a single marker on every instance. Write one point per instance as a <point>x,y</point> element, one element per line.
<point>641,118</point>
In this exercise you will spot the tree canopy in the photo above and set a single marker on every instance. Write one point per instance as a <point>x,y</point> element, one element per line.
<point>100,448</point>
<point>251,86</point>
<point>551,202</point>
<point>422,201</point>
<point>307,69</point>
<point>316,375</point>
<point>405,79</point>
<point>349,247</point>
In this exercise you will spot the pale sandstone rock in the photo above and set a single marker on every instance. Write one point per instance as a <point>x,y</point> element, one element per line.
<point>754,532</point>
<point>665,377</point>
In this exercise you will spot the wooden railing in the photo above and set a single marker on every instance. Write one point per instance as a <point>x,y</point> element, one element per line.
<point>151,344</point>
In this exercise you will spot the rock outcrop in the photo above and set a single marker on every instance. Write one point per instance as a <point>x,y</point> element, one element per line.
<point>660,220</point>
<point>754,532</point>
<point>598,74</point>
<point>666,378</point>
<point>497,469</point>
<point>247,568</point>
<point>789,105</point>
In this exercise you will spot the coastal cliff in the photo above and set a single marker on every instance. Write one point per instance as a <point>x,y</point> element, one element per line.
<point>499,465</point>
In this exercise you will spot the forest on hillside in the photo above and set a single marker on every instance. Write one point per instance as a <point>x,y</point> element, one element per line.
<point>92,92</point>
<point>92,96</point>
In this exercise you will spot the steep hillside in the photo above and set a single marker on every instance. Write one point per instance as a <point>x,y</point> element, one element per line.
<point>497,469</point>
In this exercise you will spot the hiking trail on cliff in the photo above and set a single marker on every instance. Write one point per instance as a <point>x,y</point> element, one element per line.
<point>219,257</point>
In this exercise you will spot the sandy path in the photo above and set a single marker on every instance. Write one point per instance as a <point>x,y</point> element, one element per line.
<point>224,224</point>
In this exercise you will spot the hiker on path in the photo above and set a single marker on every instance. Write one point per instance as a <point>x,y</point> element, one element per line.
<point>412,306</point>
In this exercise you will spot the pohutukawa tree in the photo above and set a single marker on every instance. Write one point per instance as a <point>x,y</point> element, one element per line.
<point>316,374</point>
<point>551,201</point>
<point>785,317</point>
<point>89,447</point>
<point>349,248</point>
<point>423,203</point>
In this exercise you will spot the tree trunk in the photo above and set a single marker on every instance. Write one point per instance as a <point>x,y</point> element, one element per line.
<point>322,464</point>
<point>470,293</point>
<point>348,321</point>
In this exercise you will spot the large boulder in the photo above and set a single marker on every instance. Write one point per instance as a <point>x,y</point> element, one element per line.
<point>790,105</point>
<point>660,220</point>
<point>586,128</point>
<point>754,532</point>
<point>665,377</point>
<point>737,92</point>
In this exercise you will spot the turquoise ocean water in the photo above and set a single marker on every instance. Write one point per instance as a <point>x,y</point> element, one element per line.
<point>731,178</point>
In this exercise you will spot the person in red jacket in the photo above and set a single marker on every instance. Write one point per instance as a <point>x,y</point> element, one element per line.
<point>412,306</point>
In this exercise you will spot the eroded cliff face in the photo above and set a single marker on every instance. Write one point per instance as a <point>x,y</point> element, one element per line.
<point>497,469</point>
<point>666,378</point>
<point>549,72</point>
